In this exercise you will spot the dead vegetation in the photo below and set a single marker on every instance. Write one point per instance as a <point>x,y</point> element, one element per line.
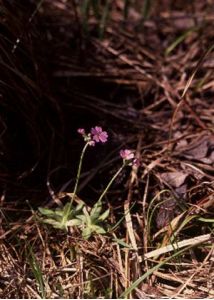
<point>149,83</point>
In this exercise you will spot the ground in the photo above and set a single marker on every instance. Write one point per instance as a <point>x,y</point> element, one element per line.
<point>143,71</point>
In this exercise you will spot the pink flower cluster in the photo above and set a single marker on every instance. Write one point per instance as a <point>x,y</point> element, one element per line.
<point>126,154</point>
<point>129,157</point>
<point>97,135</point>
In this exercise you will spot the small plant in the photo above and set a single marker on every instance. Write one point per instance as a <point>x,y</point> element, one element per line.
<point>62,218</point>
<point>92,222</point>
<point>88,220</point>
<point>37,272</point>
<point>101,11</point>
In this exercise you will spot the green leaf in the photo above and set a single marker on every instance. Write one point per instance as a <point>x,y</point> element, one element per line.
<point>67,213</point>
<point>95,7</point>
<point>86,233</point>
<point>59,212</point>
<point>67,208</point>
<point>104,18</point>
<point>126,9</point>
<point>179,40</point>
<point>37,272</point>
<point>79,206</point>
<point>122,243</point>
<point>87,216</point>
<point>104,215</point>
<point>135,284</point>
<point>82,218</point>
<point>96,210</point>
<point>51,222</point>
<point>73,222</point>
<point>98,229</point>
<point>85,15</point>
<point>146,9</point>
<point>46,211</point>
<point>206,220</point>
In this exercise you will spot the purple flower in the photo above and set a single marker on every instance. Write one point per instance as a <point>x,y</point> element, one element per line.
<point>91,143</point>
<point>136,162</point>
<point>126,154</point>
<point>81,131</point>
<point>98,135</point>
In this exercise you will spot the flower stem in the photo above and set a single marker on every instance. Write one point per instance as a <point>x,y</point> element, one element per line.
<point>69,208</point>
<point>79,172</point>
<point>110,183</point>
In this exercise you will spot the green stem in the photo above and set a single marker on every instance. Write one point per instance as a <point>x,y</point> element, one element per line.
<point>79,172</point>
<point>110,183</point>
<point>68,210</point>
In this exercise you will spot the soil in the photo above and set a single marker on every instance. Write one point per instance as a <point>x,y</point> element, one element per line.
<point>147,79</point>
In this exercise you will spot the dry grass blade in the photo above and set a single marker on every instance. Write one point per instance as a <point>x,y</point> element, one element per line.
<point>182,98</point>
<point>194,274</point>
<point>57,75</point>
<point>193,241</point>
